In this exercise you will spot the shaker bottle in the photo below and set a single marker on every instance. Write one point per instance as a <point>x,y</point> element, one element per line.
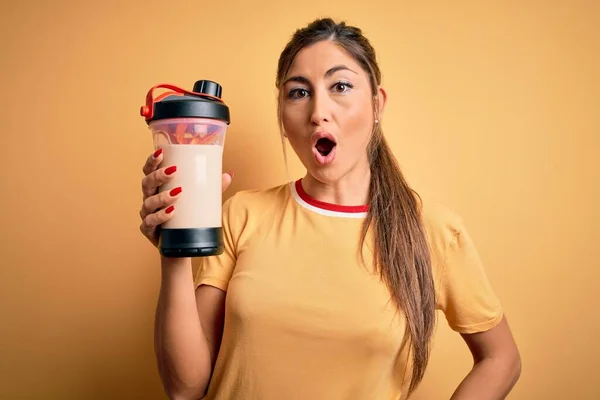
<point>190,128</point>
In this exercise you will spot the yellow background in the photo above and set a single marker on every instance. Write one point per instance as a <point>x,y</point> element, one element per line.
<point>493,108</point>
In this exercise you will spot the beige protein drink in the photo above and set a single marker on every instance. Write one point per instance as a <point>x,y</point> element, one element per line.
<point>190,128</point>
<point>199,170</point>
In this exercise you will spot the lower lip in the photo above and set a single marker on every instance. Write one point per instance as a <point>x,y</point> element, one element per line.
<point>324,160</point>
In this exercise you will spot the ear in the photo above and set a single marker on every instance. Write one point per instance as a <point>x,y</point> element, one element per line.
<point>381,102</point>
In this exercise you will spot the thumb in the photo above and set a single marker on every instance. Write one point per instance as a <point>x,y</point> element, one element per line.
<point>227,178</point>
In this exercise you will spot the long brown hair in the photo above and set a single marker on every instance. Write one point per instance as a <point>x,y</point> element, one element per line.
<point>401,253</point>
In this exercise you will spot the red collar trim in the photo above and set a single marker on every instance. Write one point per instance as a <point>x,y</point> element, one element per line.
<point>327,206</point>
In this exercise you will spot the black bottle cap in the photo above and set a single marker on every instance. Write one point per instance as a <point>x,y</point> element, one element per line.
<point>208,87</point>
<point>203,102</point>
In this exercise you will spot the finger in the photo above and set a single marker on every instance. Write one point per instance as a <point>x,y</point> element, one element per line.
<point>151,182</point>
<point>227,178</point>
<point>148,231</point>
<point>162,200</point>
<point>152,162</point>
<point>152,221</point>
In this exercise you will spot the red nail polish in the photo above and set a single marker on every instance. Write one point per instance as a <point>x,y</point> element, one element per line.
<point>175,191</point>
<point>170,170</point>
<point>170,209</point>
<point>231,173</point>
<point>157,153</point>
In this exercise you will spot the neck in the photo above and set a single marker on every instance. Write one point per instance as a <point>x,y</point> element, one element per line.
<point>350,190</point>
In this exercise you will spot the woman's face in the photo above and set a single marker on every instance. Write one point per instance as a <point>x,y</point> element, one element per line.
<point>327,111</point>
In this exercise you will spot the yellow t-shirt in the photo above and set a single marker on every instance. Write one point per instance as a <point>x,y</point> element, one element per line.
<point>305,319</point>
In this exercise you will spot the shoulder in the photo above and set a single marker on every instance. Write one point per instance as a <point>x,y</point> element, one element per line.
<point>464,292</point>
<point>441,222</point>
<point>443,227</point>
<point>252,199</point>
<point>253,203</point>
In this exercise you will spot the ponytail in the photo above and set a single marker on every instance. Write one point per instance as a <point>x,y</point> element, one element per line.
<point>401,252</point>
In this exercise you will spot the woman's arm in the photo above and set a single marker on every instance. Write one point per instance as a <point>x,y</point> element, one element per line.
<point>186,328</point>
<point>497,365</point>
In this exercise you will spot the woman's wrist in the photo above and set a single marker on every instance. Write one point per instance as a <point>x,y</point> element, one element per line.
<point>175,264</point>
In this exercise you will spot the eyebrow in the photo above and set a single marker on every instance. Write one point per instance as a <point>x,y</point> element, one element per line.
<point>330,71</point>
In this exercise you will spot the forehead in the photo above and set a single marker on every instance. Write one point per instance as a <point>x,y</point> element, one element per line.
<point>316,59</point>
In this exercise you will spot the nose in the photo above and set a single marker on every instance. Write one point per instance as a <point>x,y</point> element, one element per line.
<point>320,107</point>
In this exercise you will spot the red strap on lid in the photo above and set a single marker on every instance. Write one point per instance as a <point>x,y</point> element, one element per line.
<point>147,111</point>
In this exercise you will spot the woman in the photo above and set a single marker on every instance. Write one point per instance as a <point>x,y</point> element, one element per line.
<point>328,286</point>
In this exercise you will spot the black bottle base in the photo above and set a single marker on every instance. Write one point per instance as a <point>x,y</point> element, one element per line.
<point>193,242</point>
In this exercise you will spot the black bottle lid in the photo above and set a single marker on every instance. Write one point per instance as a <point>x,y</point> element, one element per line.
<point>204,101</point>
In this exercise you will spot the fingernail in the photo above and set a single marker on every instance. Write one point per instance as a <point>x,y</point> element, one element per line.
<point>170,209</point>
<point>170,170</point>
<point>231,173</point>
<point>175,191</point>
<point>157,153</point>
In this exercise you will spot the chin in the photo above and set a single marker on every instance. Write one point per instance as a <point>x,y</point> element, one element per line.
<point>337,170</point>
<point>326,174</point>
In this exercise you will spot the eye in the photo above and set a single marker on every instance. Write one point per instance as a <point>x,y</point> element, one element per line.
<point>298,93</point>
<point>342,87</point>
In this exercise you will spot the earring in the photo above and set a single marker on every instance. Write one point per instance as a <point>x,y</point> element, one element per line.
<point>376,121</point>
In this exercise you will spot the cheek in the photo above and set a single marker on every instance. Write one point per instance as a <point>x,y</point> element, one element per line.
<point>358,123</point>
<point>291,118</point>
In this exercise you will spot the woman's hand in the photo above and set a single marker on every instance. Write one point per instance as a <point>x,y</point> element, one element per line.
<point>158,208</point>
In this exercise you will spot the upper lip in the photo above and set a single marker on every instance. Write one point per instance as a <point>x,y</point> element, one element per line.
<point>320,135</point>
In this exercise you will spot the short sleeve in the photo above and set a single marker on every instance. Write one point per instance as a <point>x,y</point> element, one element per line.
<point>217,270</point>
<point>466,295</point>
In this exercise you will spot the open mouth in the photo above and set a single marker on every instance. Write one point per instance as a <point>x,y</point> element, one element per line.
<point>324,146</point>
<point>324,149</point>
